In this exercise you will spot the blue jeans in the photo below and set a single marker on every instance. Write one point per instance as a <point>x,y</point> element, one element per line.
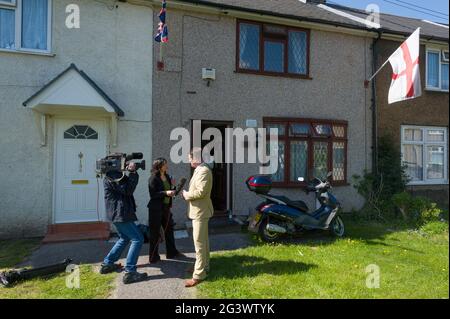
<point>127,232</point>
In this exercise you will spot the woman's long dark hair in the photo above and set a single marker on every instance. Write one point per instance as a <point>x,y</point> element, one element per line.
<point>157,164</point>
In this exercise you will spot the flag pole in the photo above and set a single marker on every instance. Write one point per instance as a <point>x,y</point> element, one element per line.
<point>161,62</point>
<point>366,82</point>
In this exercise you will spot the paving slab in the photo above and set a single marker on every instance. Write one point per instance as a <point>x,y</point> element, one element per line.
<point>166,278</point>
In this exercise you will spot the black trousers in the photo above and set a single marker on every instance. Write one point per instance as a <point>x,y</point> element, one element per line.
<point>161,218</point>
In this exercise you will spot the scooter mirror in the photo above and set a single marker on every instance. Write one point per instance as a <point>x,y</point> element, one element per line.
<point>301,179</point>
<point>329,174</point>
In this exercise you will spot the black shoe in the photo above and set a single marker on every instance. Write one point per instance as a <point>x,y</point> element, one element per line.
<point>132,277</point>
<point>106,269</point>
<point>176,255</point>
<point>155,260</point>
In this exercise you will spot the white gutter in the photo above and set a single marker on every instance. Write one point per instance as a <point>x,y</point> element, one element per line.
<point>435,23</point>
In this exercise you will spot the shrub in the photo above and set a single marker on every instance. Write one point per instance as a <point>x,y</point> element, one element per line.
<point>419,210</point>
<point>434,228</point>
<point>377,187</point>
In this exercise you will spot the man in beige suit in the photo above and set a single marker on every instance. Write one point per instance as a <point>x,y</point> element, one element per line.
<point>200,210</point>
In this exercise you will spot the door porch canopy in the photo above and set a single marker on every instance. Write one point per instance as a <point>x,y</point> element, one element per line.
<point>73,93</point>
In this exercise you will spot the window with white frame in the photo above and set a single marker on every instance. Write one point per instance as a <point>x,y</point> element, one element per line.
<point>424,153</point>
<point>25,25</point>
<point>437,69</point>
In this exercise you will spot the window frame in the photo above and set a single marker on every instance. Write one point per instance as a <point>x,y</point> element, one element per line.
<point>13,3</point>
<point>310,139</point>
<point>424,143</point>
<point>440,51</point>
<point>274,38</point>
<point>17,7</point>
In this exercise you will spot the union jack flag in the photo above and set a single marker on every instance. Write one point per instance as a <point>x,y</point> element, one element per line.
<point>163,33</point>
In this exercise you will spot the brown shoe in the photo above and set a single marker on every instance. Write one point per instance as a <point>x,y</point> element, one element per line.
<point>192,283</point>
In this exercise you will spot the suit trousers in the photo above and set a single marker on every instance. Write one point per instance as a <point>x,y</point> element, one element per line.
<point>201,243</point>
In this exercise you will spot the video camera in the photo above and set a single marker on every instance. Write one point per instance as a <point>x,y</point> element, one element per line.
<point>118,162</point>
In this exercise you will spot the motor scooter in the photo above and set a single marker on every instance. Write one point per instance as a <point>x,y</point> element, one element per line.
<point>280,216</point>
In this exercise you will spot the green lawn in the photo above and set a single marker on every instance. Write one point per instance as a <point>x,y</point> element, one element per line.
<point>412,265</point>
<point>92,284</point>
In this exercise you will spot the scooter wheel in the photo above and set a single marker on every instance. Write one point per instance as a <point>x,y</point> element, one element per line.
<point>337,227</point>
<point>265,235</point>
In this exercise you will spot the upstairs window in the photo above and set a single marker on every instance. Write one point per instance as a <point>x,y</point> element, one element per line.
<point>272,49</point>
<point>437,69</point>
<point>25,25</point>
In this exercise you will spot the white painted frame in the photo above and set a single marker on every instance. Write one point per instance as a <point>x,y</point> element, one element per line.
<point>56,122</point>
<point>17,7</point>
<point>8,4</point>
<point>440,52</point>
<point>424,144</point>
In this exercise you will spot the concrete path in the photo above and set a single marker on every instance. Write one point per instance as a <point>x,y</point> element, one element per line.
<point>166,278</point>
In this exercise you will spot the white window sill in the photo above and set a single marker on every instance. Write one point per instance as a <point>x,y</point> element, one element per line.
<point>28,52</point>
<point>428,183</point>
<point>436,90</point>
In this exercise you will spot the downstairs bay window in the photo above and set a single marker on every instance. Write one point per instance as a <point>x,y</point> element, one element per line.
<point>309,148</point>
<point>424,153</point>
<point>25,25</point>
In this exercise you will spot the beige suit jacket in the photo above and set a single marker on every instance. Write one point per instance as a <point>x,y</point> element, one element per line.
<point>199,195</point>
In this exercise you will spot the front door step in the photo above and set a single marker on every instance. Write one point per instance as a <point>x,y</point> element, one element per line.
<point>59,233</point>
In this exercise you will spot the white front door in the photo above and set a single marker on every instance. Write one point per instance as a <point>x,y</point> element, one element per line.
<point>78,193</point>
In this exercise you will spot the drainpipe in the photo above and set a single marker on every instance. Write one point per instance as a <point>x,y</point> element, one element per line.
<point>374,106</point>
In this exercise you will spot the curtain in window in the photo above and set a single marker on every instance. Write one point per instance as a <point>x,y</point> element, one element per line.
<point>433,69</point>
<point>338,161</point>
<point>297,52</point>
<point>299,160</point>
<point>413,158</point>
<point>435,162</point>
<point>7,33</point>
<point>249,46</point>
<point>320,159</point>
<point>279,175</point>
<point>444,76</point>
<point>34,24</point>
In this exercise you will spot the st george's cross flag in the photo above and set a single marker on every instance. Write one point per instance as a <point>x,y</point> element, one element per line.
<point>405,83</point>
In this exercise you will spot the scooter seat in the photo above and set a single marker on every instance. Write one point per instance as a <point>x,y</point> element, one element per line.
<point>295,204</point>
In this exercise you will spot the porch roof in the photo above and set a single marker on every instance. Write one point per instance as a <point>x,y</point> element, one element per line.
<point>72,87</point>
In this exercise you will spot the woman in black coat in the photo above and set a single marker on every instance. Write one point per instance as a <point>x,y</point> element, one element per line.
<point>161,192</point>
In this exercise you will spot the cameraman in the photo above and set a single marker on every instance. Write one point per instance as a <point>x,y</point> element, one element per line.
<point>121,211</point>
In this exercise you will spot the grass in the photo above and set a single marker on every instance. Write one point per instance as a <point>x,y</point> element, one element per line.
<point>412,264</point>
<point>92,284</point>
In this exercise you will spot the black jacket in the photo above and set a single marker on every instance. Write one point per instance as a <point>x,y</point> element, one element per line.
<point>119,199</point>
<point>157,191</point>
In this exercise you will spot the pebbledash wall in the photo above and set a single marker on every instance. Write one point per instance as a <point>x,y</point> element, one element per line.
<point>114,47</point>
<point>339,64</point>
<point>431,109</point>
